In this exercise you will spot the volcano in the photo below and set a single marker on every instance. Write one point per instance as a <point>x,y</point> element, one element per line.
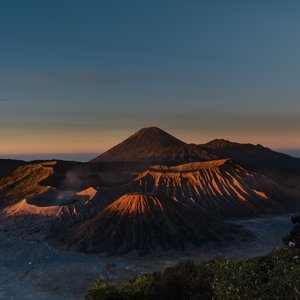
<point>148,144</point>
<point>142,223</point>
<point>153,145</point>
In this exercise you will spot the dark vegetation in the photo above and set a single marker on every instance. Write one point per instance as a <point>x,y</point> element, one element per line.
<point>273,276</point>
<point>293,238</point>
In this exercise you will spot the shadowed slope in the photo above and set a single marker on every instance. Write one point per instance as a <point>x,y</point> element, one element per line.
<point>148,144</point>
<point>218,187</point>
<point>252,157</point>
<point>7,166</point>
<point>24,182</point>
<point>214,188</point>
<point>153,145</point>
<point>280,167</point>
<point>144,223</point>
<point>64,206</point>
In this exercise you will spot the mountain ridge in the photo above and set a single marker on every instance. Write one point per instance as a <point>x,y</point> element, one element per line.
<point>152,144</point>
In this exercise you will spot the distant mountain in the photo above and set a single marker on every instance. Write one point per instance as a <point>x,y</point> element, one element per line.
<point>142,223</point>
<point>279,167</point>
<point>148,144</point>
<point>252,157</point>
<point>153,145</point>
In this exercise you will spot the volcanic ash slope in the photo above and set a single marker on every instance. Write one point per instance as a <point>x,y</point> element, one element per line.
<point>143,223</point>
<point>216,187</point>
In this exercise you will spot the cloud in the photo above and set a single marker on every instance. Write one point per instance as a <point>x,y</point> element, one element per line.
<point>105,79</point>
<point>110,78</point>
<point>2,100</point>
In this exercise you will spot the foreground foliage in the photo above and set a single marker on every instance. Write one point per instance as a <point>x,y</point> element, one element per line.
<point>274,276</point>
<point>293,238</point>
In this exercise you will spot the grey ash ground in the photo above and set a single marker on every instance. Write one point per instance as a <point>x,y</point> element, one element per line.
<point>31,269</point>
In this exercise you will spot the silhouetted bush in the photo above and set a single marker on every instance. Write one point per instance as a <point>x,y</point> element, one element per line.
<point>274,276</point>
<point>293,238</point>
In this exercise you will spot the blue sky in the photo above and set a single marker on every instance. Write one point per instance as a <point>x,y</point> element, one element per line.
<point>80,76</point>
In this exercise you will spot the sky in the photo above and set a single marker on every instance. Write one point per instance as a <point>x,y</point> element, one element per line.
<point>77,77</point>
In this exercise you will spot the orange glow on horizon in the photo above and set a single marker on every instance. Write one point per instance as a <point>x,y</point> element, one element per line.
<point>82,142</point>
